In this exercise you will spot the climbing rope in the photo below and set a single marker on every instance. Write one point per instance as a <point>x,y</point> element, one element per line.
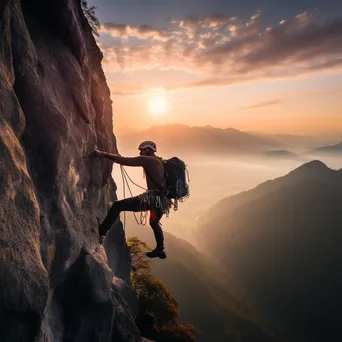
<point>149,197</point>
<point>143,214</point>
<point>124,173</point>
<point>124,195</point>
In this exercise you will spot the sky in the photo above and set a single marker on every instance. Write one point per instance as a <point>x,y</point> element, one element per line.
<point>254,65</point>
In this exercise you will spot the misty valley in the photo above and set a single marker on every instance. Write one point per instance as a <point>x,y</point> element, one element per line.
<point>254,251</point>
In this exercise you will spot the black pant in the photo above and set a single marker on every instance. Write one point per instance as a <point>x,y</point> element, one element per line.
<point>134,204</point>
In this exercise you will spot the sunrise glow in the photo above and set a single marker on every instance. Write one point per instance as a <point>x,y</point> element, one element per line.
<point>157,104</point>
<point>247,69</point>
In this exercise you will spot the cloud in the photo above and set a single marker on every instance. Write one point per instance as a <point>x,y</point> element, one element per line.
<point>261,75</point>
<point>266,104</point>
<point>126,89</point>
<point>297,95</point>
<point>127,31</point>
<point>226,50</point>
<point>323,93</point>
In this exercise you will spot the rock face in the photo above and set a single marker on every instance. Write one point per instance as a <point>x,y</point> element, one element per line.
<point>56,283</point>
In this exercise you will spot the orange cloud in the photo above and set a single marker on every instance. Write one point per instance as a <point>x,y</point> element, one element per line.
<point>127,31</point>
<point>126,89</point>
<point>233,49</point>
<point>297,95</point>
<point>266,103</point>
<point>322,93</point>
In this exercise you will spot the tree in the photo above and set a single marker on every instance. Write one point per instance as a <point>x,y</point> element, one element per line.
<point>89,13</point>
<point>158,309</point>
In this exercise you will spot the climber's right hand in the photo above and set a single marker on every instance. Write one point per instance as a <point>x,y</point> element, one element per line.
<point>98,153</point>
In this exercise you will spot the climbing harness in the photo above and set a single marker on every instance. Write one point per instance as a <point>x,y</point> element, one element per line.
<point>149,198</point>
<point>155,201</point>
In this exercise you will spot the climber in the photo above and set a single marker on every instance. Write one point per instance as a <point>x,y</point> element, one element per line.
<point>152,200</point>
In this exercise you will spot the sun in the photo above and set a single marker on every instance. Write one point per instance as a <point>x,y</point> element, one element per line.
<point>157,104</point>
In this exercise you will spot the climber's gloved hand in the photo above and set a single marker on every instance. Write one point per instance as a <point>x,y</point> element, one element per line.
<point>98,153</point>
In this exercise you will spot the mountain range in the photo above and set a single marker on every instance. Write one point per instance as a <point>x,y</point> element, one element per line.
<point>179,138</point>
<point>279,244</point>
<point>328,150</point>
<point>207,139</point>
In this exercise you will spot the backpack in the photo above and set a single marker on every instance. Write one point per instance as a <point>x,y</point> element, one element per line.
<point>175,178</point>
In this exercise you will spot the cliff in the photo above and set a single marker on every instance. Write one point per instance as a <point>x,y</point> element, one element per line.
<point>57,283</point>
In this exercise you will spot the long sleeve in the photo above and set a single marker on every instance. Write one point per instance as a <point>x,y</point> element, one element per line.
<point>129,161</point>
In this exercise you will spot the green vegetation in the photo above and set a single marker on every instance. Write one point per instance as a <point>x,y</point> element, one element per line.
<point>89,13</point>
<point>158,309</point>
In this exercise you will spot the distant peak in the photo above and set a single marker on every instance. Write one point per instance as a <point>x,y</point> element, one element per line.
<point>230,129</point>
<point>330,147</point>
<point>313,166</point>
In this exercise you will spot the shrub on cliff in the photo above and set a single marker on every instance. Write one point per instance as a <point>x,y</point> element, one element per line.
<point>158,309</point>
<point>89,13</point>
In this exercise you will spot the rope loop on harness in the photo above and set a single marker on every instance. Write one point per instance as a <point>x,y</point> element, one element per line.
<point>152,198</point>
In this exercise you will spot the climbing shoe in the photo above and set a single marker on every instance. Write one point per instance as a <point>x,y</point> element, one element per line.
<point>156,253</point>
<point>101,239</point>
